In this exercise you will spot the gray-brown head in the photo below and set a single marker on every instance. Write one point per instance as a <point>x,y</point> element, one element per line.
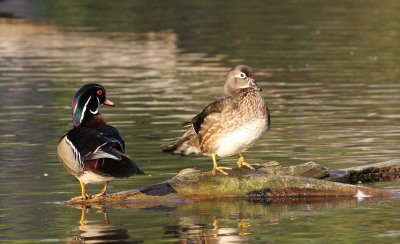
<point>240,77</point>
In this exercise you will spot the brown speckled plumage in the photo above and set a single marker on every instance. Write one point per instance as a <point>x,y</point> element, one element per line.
<point>229,125</point>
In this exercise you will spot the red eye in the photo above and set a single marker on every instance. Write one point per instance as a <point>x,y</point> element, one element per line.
<point>99,92</point>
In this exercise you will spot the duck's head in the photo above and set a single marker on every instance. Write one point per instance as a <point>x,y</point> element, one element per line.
<point>240,77</point>
<point>86,103</point>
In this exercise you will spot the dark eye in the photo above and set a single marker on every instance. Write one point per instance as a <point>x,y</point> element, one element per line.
<point>99,92</point>
<point>241,75</point>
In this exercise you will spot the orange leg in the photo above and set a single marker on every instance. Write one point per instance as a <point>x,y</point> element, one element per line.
<point>84,195</point>
<point>103,191</point>
<point>241,162</point>
<point>83,216</point>
<point>215,166</point>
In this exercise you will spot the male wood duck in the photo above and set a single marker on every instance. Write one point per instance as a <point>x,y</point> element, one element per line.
<point>229,125</point>
<point>93,151</point>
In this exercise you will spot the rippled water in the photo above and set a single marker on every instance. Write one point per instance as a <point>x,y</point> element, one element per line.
<point>330,77</point>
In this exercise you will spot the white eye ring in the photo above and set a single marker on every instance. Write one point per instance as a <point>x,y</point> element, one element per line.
<point>241,75</point>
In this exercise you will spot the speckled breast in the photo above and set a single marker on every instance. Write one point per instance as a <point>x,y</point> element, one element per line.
<point>237,127</point>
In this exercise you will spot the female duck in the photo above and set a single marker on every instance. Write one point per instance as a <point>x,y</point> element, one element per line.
<point>229,125</point>
<point>93,151</point>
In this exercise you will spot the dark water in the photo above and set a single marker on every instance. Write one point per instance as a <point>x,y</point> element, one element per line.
<point>330,73</point>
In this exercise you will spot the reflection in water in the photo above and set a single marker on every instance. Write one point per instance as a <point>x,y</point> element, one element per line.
<point>53,52</point>
<point>238,221</point>
<point>329,70</point>
<point>98,231</point>
<point>229,221</point>
<point>242,221</point>
<point>203,233</point>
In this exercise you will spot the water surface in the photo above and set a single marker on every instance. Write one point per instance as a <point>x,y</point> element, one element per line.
<point>329,73</point>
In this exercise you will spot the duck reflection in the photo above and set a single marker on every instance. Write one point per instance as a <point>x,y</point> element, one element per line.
<point>217,232</point>
<point>209,225</point>
<point>95,231</point>
<point>239,221</point>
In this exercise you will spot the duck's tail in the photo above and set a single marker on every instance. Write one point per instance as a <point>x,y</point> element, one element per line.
<point>131,167</point>
<point>118,168</point>
<point>185,145</point>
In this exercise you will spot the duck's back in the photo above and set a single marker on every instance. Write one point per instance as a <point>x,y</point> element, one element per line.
<point>100,150</point>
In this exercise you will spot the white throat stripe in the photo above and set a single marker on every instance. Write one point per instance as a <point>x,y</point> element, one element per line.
<point>84,109</point>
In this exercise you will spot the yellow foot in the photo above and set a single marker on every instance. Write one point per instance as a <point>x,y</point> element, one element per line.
<point>101,194</point>
<point>245,165</point>
<point>80,198</point>
<point>86,197</point>
<point>241,163</point>
<point>220,169</point>
<point>215,166</point>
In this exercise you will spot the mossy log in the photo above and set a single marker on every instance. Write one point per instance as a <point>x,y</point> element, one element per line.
<point>384,171</point>
<point>268,181</point>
